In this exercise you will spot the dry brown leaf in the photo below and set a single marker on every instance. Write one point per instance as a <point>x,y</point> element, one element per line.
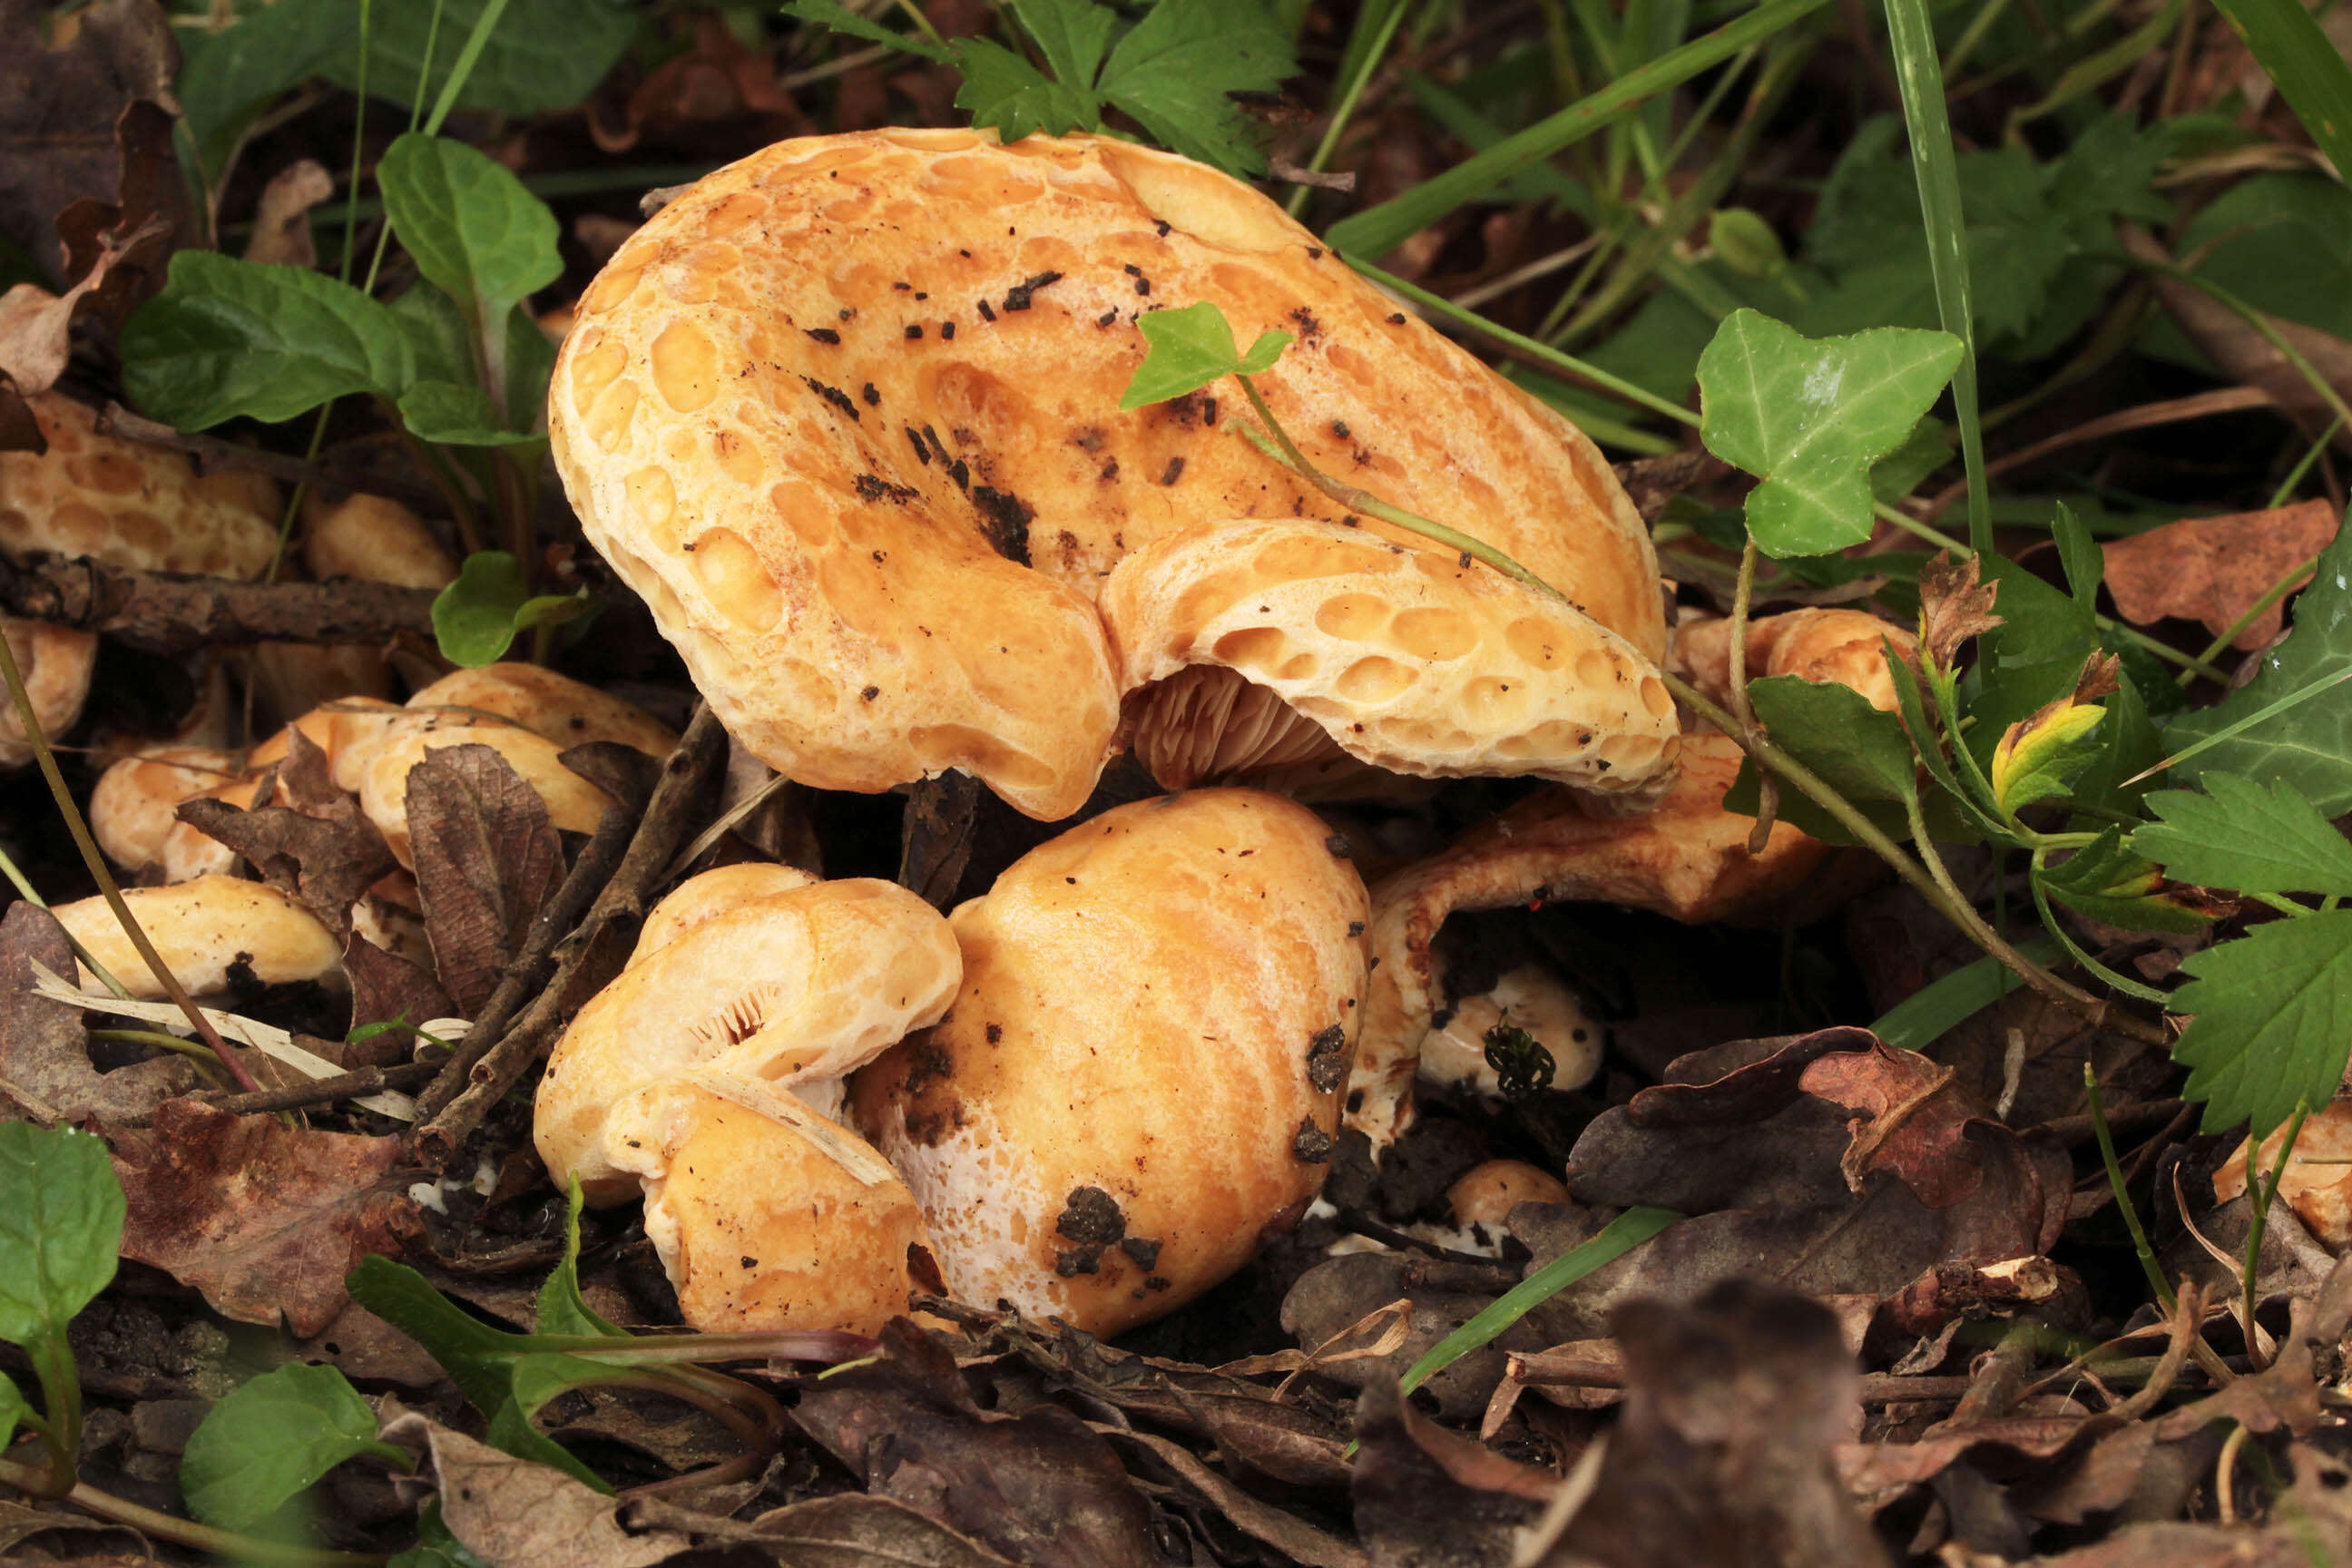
<point>1953,607</point>
<point>387,987</point>
<point>321,853</point>
<point>486,859</point>
<point>61,92</point>
<point>282,219</point>
<point>2212,569</point>
<point>261,1217</point>
<point>512,1513</point>
<point>45,1055</point>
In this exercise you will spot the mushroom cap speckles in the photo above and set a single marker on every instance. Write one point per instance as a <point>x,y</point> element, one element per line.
<point>787,989</point>
<point>818,506</point>
<point>131,504</point>
<point>1140,1074</point>
<point>760,1230</point>
<point>214,933</point>
<point>1411,660</point>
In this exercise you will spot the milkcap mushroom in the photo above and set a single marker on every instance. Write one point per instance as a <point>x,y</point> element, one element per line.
<point>132,807</point>
<point>56,662</point>
<point>846,415</point>
<point>1140,1076</point>
<point>567,711</point>
<point>216,934</point>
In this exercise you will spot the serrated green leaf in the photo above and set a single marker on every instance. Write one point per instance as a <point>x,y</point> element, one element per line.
<point>231,75</point>
<point>562,1309</point>
<point>1859,750</point>
<point>841,19</point>
<point>60,1225</point>
<point>2107,881</point>
<point>228,338</point>
<point>1007,94</point>
<point>542,55</point>
<point>1807,418</point>
<point>472,228</point>
<point>1176,71</point>
<point>2246,838</point>
<point>2309,745</point>
<point>1071,34</point>
<point>15,1410</point>
<point>452,416</point>
<point>476,618</point>
<point>271,1438</point>
<point>2272,1021</point>
<point>1188,349</point>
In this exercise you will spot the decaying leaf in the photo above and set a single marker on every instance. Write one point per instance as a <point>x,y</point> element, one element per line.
<point>1953,607</point>
<point>45,1063</point>
<point>322,854</point>
<point>62,90</point>
<point>486,859</point>
<point>264,1219</point>
<point>2214,569</point>
<point>386,987</point>
<point>512,1513</point>
<point>281,219</point>
<point>1424,1494</point>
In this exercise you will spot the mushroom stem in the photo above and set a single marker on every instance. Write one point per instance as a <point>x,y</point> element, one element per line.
<point>1286,453</point>
<point>97,864</point>
<point>1767,788</point>
<point>1932,883</point>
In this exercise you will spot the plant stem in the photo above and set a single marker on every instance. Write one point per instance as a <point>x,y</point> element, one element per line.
<point>187,1533</point>
<point>31,895</point>
<point>2246,617</point>
<point>2115,1183</point>
<point>2260,1197</point>
<point>105,879</point>
<point>60,1428</point>
<point>1767,788</point>
<point>1346,108</point>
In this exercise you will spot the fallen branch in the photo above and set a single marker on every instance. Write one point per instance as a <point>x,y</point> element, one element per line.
<point>172,611</point>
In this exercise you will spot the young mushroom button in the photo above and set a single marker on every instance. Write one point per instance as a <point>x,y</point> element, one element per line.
<point>878,550</point>
<point>1141,1077</point>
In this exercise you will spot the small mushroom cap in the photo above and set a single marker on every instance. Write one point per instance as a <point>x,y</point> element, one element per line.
<point>826,408</point>
<point>336,727</point>
<point>130,503</point>
<point>381,767</point>
<point>1527,998</point>
<point>714,892</point>
<point>1814,644</point>
<point>759,1228</point>
<point>567,711</point>
<point>374,538</point>
<point>214,934</point>
<point>1139,1077</point>
<point>1485,1194</point>
<point>791,988</point>
<point>2317,1180</point>
<point>132,808</point>
<point>1411,660</point>
<point>56,662</point>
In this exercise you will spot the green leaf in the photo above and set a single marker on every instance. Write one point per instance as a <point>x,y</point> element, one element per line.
<point>474,231</point>
<point>2107,881</point>
<point>1188,349</point>
<point>1176,71</point>
<point>2312,76</point>
<point>1925,1016</point>
<point>452,416</point>
<point>1749,244</point>
<point>228,338</point>
<point>562,1309</point>
<point>15,1410</point>
<point>2284,244</point>
<point>2085,565</point>
<point>1859,750</point>
<point>1903,470</point>
<point>1013,97</point>
<point>273,1438</point>
<point>231,75</point>
<point>1807,418</point>
<point>478,617</point>
<point>437,335</point>
<point>60,1225</point>
<point>2241,837</point>
<point>841,19</point>
<point>1911,704</point>
<point>2038,758</point>
<point>543,55</point>
<point>530,361</point>
<point>435,1547</point>
<point>1071,34</point>
<point>2310,744</point>
<point>2272,1020</point>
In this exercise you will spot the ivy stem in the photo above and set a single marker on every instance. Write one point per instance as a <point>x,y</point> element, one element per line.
<point>2259,1196</point>
<point>223,1543</point>
<point>105,879</point>
<point>1370,505</point>
<point>2115,1185</point>
<point>1767,788</point>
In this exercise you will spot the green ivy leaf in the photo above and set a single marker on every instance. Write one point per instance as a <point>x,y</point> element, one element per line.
<point>2107,881</point>
<point>2272,1020</point>
<point>1809,418</point>
<point>15,1410</point>
<point>562,1309</point>
<point>2310,744</point>
<point>60,1227</point>
<point>452,416</point>
<point>2241,837</point>
<point>474,231</point>
<point>272,1438</point>
<point>2085,565</point>
<point>1858,750</point>
<point>1176,71</point>
<point>1188,349</point>
<point>478,617</point>
<point>228,338</point>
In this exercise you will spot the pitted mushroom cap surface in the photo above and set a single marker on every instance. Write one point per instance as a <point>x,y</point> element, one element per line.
<point>1409,660</point>
<point>214,934</point>
<point>568,712</point>
<point>128,503</point>
<point>790,989</point>
<point>759,1228</point>
<point>56,662</point>
<point>829,405</point>
<point>1141,1075</point>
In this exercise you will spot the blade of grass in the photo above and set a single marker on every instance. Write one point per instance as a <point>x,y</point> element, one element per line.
<point>1616,1238</point>
<point>1921,76</point>
<point>463,67</point>
<point>2308,69</point>
<point>1381,229</point>
<point>2228,732</point>
<point>1376,24</point>
<point>1922,1018</point>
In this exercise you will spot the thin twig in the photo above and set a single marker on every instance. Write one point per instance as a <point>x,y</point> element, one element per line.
<point>325,1090</point>
<point>1767,788</point>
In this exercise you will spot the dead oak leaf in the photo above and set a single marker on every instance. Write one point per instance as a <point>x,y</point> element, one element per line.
<point>1913,1121</point>
<point>486,859</point>
<point>63,88</point>
<point>2212,569</point>
<point>1953,607</point>
<point>45,1054</point>
<point>263,1218</point>
<point>322,856</point>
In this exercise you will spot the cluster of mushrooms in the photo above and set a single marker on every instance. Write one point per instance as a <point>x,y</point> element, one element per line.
<point>846,416</point>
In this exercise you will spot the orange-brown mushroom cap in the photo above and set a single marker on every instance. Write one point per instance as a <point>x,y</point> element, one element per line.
<point>1141,1075</point>
<point>831,405</point>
